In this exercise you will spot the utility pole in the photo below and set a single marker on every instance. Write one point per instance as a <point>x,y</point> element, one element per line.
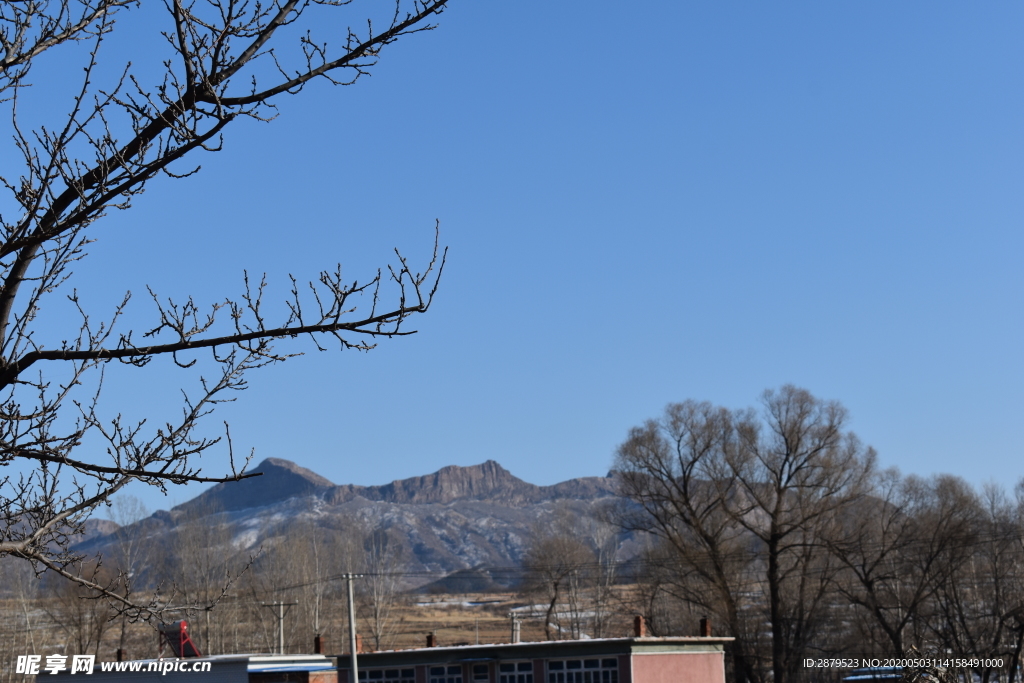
<point>280,605</point>
<point>515,626</point>
<point>352,626</point>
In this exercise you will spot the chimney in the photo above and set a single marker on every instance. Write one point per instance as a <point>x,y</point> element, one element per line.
<point>431,640</point>
<point>120,655</point>
<point>639,627</point>
<point>705,627</point>
<point>318,644</point>
<point>359,643</point>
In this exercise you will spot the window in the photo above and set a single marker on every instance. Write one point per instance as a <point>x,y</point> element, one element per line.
<point>446,674</point>
<point>481,673</point>
<point>515,672</point>
<point>583,671</point>
<point>387,676</point>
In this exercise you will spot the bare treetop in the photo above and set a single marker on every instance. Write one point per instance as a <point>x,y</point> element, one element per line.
<point>229,59</point>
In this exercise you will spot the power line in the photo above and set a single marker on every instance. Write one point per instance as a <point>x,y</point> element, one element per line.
<point>280,605</point>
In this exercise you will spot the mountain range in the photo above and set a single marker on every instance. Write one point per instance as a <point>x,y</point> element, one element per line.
<point>455,520</point>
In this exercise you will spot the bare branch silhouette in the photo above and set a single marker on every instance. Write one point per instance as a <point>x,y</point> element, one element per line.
<point>229,61</point>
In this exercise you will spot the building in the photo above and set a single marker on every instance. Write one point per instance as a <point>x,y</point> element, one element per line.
<point>598,660</point>
<point>638,659</point>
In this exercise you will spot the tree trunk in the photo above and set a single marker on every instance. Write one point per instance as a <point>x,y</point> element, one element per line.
<point>775,611</point>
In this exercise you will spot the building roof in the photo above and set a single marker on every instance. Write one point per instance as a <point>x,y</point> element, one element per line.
<point>538,650</point>
<point>287,663</point>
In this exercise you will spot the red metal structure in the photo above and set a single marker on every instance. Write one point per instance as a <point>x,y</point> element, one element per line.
<point>176,637</point>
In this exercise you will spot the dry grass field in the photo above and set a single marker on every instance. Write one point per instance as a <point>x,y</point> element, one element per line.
<point>477,618</point>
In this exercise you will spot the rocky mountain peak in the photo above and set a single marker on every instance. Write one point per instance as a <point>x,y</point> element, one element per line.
<point>486,481</point>
<point>476,482</point>
<point>280,479</point>
<point>276,465</point>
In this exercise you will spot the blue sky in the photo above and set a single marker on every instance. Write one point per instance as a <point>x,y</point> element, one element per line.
<point>644,202</point>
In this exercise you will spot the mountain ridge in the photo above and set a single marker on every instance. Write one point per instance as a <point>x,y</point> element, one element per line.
<point>488,481</point>
<point>455,519</point>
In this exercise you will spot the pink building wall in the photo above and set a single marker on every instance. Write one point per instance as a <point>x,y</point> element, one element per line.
<point>678,667</point>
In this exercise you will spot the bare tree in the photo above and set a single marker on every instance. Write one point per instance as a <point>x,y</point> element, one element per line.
<point>204,566</point>
<point>744,498</point>
<point>83,621</point>
<point>382,557</point>
<point>667,470</point>
<point>978,601</point>
<point>603,578</point>
<point>659,594</point>
<point>792,471</point>
<point>555,562</point>
<point>898,548</point>
<point>133,548</point>
<point>316,559</point>
<point>1017,611</point>
<point>226,61</point>
<point>24,618</point>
